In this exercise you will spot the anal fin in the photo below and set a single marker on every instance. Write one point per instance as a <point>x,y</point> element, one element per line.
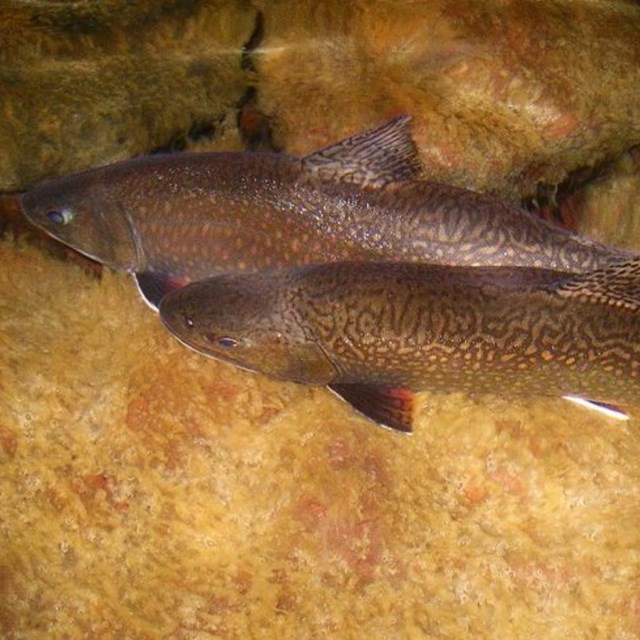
<point>389,407</point>
<point>154,286</point>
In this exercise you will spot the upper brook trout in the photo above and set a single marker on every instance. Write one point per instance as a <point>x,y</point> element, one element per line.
<point>377,332</point>
<point>171,219</point>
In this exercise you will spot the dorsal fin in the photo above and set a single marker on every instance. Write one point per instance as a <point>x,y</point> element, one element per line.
<point>617,285</point>
<point>374,158</point>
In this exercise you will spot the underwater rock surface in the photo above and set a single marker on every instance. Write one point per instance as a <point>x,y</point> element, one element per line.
<point>229,505</point>
<point>147,491</point>
<point>504,95</point>
<point>86,84</point>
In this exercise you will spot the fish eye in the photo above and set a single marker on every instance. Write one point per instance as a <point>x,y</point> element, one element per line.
<point>60,216</point>
<point>227,342</point>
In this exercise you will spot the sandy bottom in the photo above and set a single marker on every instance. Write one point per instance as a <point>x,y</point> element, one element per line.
<point>149,492</point>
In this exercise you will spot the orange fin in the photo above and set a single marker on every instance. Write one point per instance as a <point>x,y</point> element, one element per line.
<point>609,410</point>
<point>155,286</point>
<point>389,407</point>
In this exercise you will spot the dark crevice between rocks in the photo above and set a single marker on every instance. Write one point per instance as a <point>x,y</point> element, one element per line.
<point>255,39</point>
<point>563,203</point>
<point>254,126</point>
<point>200,131</point>
<point>11,220</point>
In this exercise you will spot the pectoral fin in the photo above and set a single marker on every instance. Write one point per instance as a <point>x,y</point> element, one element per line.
<point>392,408</point>
<point>617,285</point>
<point>372,159</point>
<point>154,286</point>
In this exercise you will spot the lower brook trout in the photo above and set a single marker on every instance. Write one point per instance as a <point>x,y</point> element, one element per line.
<point>376,333</point>
<point>171,219</point>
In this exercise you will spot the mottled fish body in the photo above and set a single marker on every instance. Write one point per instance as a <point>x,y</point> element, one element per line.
<point>378,332</point>
<point>171,219</point>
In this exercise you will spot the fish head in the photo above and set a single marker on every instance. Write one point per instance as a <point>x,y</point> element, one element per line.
<point>244,320</point>
<point>84,212</point>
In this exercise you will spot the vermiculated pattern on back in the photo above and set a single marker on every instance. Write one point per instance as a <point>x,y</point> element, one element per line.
<point>423,326</point>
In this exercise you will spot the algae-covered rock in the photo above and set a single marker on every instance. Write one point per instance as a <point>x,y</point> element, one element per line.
<point>150,492</point>
<point>608,207</point>
<point>504,95</point>
<point>84,84</point>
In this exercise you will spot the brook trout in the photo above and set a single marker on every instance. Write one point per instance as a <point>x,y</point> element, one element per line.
<point>376,333</point>
<point>172,219</point>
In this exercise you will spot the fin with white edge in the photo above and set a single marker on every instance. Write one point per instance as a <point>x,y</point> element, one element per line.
<point>609,410</point>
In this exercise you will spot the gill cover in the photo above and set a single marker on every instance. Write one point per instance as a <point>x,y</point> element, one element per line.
<point>83,211</point>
